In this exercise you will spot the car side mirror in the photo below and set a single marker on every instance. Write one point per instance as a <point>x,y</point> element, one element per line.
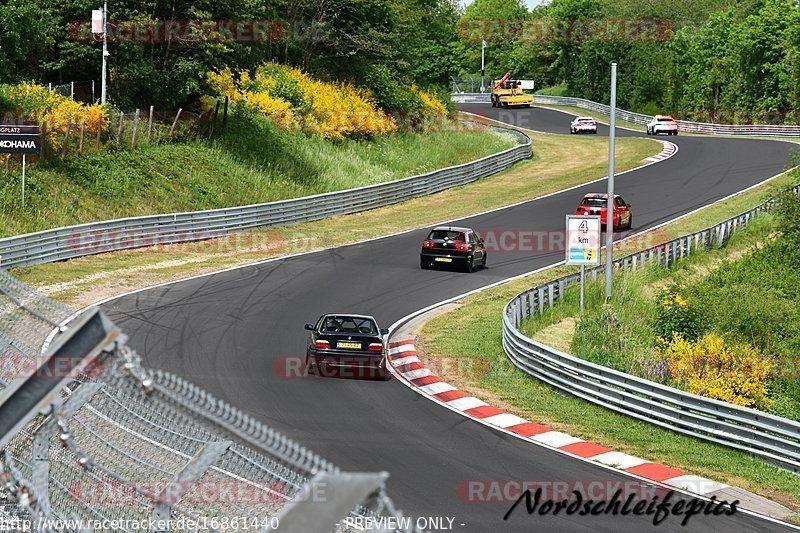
<point>480,241</point>
<point>309,327</point>
<point>384,331</point>
<point>629,205</point>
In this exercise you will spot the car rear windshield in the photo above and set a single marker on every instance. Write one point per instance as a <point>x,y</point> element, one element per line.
<point>666,120</point>
<point>594,202</point>
<point>441,235</point>
<point>585,120</point>
<point>349,324</point>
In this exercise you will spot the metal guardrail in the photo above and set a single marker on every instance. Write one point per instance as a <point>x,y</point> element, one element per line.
<point>123,443</point>
<point>638,118</point>
<point>771,437</point>
<point>127,233</point>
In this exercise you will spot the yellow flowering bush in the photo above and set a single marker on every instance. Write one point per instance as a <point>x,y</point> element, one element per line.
<point>294,100</point>
<point>734,373</point>
<point>431,102</point>
<point>675,315</point>
<point>42,104</point>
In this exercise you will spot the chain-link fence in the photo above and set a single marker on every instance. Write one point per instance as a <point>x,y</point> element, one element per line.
<point>122,446</point>
<point>472,84</point>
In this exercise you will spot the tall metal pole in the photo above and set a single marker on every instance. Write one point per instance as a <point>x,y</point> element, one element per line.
<point>105,52</point>
<point>483,63</point>
<point>610,204</point>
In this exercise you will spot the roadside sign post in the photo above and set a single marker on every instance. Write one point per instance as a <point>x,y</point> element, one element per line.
<point>583,245</point>
<point>23,181</point>
<point>22,139</point>
<point>610,205</point>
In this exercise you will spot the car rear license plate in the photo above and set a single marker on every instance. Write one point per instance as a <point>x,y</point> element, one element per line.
<point>444,259</point>
<point>350,345</point>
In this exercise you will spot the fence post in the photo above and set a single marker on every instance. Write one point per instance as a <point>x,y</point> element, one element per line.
<point>175,122</point>
<point>225,115</point>
<point>66,140</point>
<point>150,124</point>
<point>119,130</point>
<point>44,139</point>
<point>83,132</point>
<point>135,128</point>
<point>213,126</point>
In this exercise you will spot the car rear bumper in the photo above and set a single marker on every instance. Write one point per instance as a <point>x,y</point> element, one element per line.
<point>347,358</point>
<point>440,258</point>
<point>334,363</point>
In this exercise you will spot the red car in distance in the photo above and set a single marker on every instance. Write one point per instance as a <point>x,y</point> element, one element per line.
<point>596,204</point>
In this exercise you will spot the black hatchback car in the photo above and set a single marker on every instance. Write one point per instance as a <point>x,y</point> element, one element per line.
<point>347,346</point>
<point>448,245</point>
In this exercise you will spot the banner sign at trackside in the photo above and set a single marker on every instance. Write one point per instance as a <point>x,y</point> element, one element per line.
<point>20,139</point>
<point>583,240</point>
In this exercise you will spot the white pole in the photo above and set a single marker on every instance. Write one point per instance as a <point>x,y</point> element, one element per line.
<point>610,204</point>
<point>105,51</point>
<point>483,63</point>
<point>583,284</point>
<point>72,90</point>
<point>23,181</point>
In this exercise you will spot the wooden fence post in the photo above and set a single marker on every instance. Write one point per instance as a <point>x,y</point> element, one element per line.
<point>150,124</point>
<point>83,132</point>
<point>44,139</point>
<point>66,141</point>
<point>213,125</point>
<point>175,122</point>
<point>119,130</point>
<point>135,127</point>
<point>225,115</point>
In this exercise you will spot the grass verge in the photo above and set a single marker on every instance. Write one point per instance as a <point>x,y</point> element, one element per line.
<point>251,161</point>
<point>472,333</point>
<point>559,162</point>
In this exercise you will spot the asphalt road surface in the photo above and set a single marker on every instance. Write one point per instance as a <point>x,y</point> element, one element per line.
<point>228,333</point>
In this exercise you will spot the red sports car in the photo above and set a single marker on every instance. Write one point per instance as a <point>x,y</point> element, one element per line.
<point>596,204</point>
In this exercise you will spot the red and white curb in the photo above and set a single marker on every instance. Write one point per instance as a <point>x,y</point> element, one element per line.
<point>406,362</point>
<point>668,151</point>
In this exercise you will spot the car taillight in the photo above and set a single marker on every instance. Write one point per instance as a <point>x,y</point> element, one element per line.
<point>427,244</point>
<point>375,347</point>
<point>462,247</point>
<point>322,344</point>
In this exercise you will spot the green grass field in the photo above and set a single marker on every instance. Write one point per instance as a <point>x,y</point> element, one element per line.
<point>250,162</point>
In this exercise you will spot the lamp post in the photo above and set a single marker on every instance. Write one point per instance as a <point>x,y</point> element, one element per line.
<point>100,26</point>
<point>483,63</point>
<point>610,204</point>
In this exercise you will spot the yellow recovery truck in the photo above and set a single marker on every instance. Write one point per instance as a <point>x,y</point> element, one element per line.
<point>507,93</point>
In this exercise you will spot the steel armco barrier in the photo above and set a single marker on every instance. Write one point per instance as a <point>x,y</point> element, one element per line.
<point>127,233</point>
<point>638,118</point>
<point>773,438</point>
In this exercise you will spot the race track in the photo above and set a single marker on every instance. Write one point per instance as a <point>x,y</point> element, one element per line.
<point>227,332</point>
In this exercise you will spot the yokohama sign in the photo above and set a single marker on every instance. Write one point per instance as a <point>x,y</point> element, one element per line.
<point>19,139</point>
